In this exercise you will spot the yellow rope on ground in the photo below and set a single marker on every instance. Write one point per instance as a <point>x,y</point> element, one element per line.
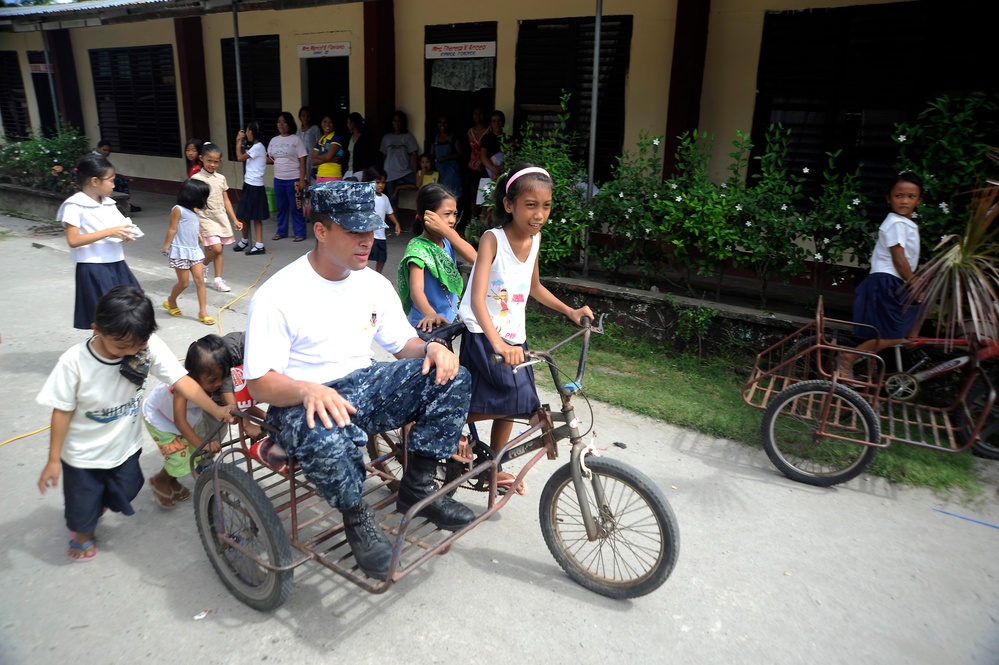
<point>23,436</point>
<point>218,322</point>
<point>218,318</point>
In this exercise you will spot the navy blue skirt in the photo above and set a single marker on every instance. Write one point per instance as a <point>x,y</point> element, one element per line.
<point>881,302</point>
<point>495,388</point>
<point>93,280</point>
<point>252,204</point>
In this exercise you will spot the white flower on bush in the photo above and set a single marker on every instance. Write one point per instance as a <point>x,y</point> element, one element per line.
<point>838,227</point>
<point>748,223</point>
<point>591,214</point>
<point>673,185</point>
<point>655,141</point>
<point>564,220</point>
<point>818,256</point>
<point>629,211</point>
<point>901,138</point>
<point>738,206</point>
<point>621,195</point>
<point>724,185</point>
<point>945,208</point>
<point>805,170</point>
<point>655,195</point>
<point>856,202</point>
<point>915,215</point>
<point>784,207</point>
<point>679,198</point>
<point>849,207</point>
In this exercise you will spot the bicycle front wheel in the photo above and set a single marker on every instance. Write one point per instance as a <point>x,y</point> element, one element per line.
<point>638,538</point>
<point>791,433</point>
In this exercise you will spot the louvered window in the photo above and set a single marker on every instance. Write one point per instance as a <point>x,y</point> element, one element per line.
<point>13,103</point>
<point>841,78</point>
<point>557,54</point>
<point>260,64</point>
<point>136,96</point>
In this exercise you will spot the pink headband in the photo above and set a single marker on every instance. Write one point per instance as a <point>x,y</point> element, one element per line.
<point>527,171</point>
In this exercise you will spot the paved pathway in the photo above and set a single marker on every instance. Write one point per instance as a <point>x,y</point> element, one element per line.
<point>769,572</point>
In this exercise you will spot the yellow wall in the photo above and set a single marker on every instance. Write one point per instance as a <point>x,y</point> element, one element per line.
<point>648,77</point>
<point>735,37</point>
<point>123,35</point>
<point>295,27</point>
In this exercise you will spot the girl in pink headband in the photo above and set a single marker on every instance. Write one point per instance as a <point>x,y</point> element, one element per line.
<point>493,308</point>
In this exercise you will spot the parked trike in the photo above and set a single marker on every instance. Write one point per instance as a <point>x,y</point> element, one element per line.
<point>821,430</point>
<point>608,525</point>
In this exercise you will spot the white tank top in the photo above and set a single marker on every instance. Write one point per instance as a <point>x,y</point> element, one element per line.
<point>507,292</point>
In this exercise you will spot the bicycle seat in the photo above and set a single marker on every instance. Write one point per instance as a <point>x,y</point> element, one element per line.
<point>447,332</point>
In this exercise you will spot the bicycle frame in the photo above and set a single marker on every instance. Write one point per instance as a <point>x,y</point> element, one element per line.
<point>307,533</point>
<point>986,351</point>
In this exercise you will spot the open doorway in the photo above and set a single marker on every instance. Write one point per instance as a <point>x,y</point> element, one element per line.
<point>327,89</point>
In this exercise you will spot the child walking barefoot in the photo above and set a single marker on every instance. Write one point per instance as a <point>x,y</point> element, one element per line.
<point>215,229</point>
<point>94,392</point>
<point>428,280</point>
<point>95,230</point>
<point>171,419</point>
<point>183,247</point>
<point>493,307</point>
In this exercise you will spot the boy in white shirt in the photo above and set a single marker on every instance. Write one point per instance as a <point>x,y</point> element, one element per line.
<point>383,207</point>
<point>96,434</point>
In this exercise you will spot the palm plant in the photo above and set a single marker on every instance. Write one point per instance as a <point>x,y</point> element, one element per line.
<point>962,281</point>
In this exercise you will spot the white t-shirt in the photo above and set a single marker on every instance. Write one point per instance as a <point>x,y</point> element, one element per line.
<point>383,206</point>
<point>397,148</point>
<point>89,216</point>
<point>286,151</point>
<point>312,329</point>
<point>255,165</point>
<point>895,230</point>
<point>105,428</point>
<point>508,290</point>
<point>158,409</point>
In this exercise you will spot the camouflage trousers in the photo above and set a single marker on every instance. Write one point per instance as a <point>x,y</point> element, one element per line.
<point>387,395</point>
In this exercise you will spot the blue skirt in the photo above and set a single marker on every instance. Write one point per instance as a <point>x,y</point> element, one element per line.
<point>495,388</point>
<point>93,280</point>
<point>881,302</point>
<point>252,204</point>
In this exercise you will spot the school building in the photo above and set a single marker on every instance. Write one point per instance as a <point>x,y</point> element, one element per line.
<point>147,74</point>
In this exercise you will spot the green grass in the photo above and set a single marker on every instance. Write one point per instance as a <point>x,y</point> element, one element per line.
<point>706,395</point>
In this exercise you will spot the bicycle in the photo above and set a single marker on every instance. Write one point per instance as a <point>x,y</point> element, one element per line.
<point>610,528</point>
<point>820,430</point>
<point>914,363</point>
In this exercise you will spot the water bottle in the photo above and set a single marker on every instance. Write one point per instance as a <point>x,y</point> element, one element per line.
<point>270,455</point>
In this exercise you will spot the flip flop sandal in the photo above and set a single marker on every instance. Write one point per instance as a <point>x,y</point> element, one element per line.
<point>183,495</point>
<point>83,547</point>
<point>207,320</point>
<point>298,239</point>
<point>279,237</point>
<point>174,311</point>
<point>161,498</point>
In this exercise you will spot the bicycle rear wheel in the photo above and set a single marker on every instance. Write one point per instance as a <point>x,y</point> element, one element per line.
<point>791,426</point>
<point>987,444</point>
<point>638,541</point>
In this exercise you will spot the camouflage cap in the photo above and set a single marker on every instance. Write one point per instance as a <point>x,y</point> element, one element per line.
<point>349,204</point>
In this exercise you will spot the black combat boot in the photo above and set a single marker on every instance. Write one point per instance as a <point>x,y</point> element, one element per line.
<point>372,550</point>
<point>418,483</point>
